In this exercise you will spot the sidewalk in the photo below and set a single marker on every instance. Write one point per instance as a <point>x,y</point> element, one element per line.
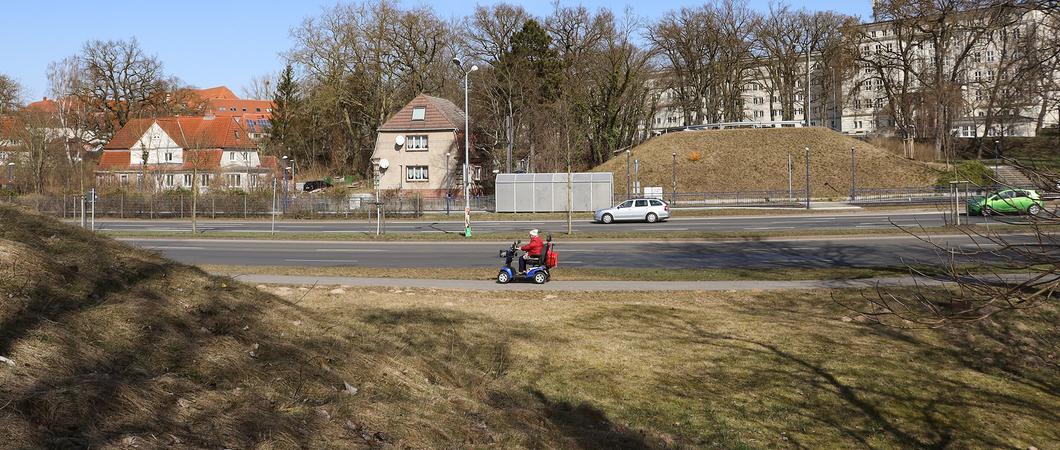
<point>582,286</point>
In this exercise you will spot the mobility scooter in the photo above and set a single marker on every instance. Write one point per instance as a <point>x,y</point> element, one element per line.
<point>537,269</point>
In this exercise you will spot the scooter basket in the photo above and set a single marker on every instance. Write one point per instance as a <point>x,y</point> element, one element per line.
<point>553,259</point>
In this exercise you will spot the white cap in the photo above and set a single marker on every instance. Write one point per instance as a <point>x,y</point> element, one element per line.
<point>533,232</point>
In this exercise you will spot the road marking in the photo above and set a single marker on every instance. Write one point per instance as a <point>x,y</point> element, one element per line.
<point>768,228</point>
<point>178,248</point>
<point>661,229</point>
<point>572,262</point>
<point>323,260</point>
<point>348,250</point>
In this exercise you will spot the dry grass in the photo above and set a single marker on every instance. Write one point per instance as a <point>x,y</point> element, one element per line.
<point>115,348</point>
<point>731,370</point>
<point>755,160</point>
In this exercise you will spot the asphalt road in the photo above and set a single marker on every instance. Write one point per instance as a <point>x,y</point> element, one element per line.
<point>851,221</point>
<point>773,253</point>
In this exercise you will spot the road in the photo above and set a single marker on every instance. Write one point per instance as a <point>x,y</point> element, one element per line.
<point>766,253</point>
<point>851,221</point>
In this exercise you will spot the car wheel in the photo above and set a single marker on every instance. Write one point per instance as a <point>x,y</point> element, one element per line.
<point>987,211</point>
<point>1034,210</point>
<point>503,277</point>
<point>652,218</point>
<point>607,218</point>
<point>540,277</point>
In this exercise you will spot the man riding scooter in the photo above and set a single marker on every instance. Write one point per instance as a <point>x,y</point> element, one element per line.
<point>532,251</point>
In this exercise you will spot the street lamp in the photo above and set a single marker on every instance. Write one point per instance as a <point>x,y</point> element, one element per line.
<point>674,181</point>
<point>627,174</point>
<point>467,144</point>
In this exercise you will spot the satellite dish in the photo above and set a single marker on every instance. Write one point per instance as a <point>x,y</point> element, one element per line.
<point>399,140</point>
<point>384,164</point>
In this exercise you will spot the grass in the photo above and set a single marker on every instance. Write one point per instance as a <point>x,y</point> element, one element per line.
<point>117,347</point>
<point>575,274</point>
<point>756,160</point>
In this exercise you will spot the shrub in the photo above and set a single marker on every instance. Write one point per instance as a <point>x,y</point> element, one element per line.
<point>971,170</point>
<point>695,156</point>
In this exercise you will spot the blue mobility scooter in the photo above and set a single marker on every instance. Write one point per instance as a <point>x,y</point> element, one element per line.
<point>537,269</point>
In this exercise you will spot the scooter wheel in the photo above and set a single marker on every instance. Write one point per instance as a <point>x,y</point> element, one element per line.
<point>503,277</point>
<point>540,278</point>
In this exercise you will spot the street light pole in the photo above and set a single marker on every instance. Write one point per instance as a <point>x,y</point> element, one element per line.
<point>467,151</point>
<point>807,177</point>
<point>853,163</point>
<point>673,198</point>
<point>628,193</point>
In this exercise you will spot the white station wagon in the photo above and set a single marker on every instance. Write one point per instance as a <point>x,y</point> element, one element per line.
<point>650,210</point>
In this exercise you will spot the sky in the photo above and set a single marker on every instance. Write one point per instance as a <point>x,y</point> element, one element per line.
<point>209,43</point>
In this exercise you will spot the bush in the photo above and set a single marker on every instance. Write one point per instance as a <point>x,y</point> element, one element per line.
<point>695,156</point>
<point>973,171</point>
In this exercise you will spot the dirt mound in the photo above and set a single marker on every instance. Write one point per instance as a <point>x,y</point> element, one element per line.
<point>757,160</point>
<point>106,346</point>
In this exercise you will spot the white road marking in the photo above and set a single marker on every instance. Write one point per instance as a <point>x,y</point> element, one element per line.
<point>178,248</point>
<point>348,250</point>
<point>323,260</point>
<point>768,228</point>
<point>661,229</point>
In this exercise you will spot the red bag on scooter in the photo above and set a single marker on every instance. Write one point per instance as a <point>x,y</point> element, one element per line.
<point>553,259</point>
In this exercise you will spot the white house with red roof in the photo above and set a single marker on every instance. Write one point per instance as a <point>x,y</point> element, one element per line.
<point>424,146</point>
<point>167,153</point>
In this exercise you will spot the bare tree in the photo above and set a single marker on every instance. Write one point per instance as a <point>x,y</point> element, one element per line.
<point>10,95</point>
<point>121,81</point>
<point>261,87</point>
<point>35,135</point>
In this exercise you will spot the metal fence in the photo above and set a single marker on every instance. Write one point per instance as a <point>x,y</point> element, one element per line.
<point>250,205</point>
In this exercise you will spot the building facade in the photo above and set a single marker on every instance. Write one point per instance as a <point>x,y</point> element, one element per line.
<point>169,153</point>
<point>423,144</point>
<point>882,93</point>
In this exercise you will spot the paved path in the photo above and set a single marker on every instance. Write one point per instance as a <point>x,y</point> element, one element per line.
<point>581,286</point>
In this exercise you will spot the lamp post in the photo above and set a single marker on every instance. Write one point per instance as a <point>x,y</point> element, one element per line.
<point>807,177</point>
<point>628,194</point>
<point>467,144</point>
<point>852,181</point>
<point>997,157</point>
<point>10,175</point>
<point>673,182</point>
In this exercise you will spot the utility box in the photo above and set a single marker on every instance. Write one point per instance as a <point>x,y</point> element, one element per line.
<point>653,192</point>
<point>547,192</point>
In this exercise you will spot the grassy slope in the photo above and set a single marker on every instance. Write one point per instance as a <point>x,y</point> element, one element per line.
<point>750,160</point>
<point>115,346</point>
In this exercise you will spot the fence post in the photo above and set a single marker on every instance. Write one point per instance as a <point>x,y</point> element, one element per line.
<point>245,205</point>
<point>213,207</point>
<point>121,206</point>
<point>181,205</point>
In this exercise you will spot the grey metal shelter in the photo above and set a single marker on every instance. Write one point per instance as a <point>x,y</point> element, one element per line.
<point>547,192</point>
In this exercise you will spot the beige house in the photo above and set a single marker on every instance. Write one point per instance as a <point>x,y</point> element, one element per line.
<point>423,144</point>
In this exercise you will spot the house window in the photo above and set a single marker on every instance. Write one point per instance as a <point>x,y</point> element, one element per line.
<point>857,124</point>
<point>416,142</point>
<point>169,156</point>
<point>419,113</point>
<point>124,178</point>
<point>204,179</point>
<point>257,109</point>
<point>169,180</point>
<point>416,173</point>
<point>187,179</point>
<point>234,179</point>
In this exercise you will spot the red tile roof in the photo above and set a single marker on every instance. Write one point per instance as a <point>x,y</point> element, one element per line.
<point>238,108</point>
<point>202,159</point>
<point>440,114</point>
<point>188,132</point>
<point>114,160</point>
<point>217,92</point>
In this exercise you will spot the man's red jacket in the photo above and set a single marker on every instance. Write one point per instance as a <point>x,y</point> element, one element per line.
<point>535,246</point>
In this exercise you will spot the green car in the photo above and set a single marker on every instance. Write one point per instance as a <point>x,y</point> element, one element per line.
<point>1009,201</point>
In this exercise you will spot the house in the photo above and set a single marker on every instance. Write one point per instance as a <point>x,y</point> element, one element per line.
<point>424,146</point>
<point>166,153</point>
<point>254,115</point>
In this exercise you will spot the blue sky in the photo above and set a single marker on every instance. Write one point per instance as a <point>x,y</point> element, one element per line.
<point>223,42</point>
